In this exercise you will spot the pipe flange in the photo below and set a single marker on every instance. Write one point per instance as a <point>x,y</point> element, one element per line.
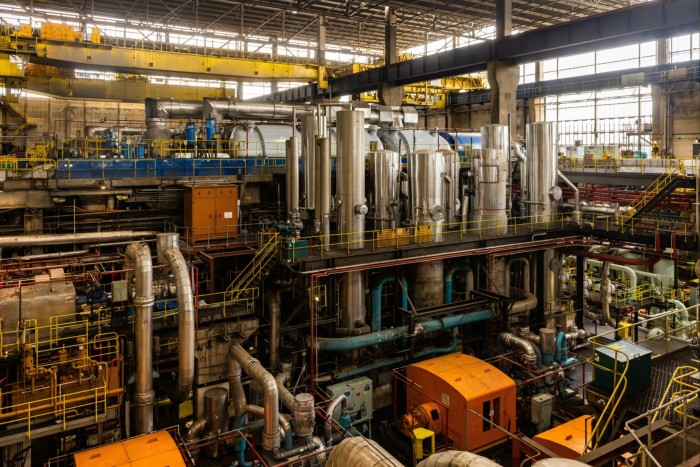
<point>144,398</point>
<point>144,301</point>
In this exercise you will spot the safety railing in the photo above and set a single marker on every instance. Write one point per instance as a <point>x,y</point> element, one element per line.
<point>622,165</point>
<point>255,270</point>
<point>15,168</point>
<point>223,301</point>
<point>652,191</point>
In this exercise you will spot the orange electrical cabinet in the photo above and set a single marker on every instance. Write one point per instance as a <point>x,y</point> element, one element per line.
<point>211,212</point>
<point>458,383</point>
<point>152,450</point>
<point>568,440</point>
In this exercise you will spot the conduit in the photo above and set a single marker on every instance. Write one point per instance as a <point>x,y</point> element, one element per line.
<point>389,335</point>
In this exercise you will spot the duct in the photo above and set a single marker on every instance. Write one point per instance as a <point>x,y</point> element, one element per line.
<point>531,353</point>
<point>526,278</point>
<point>449,275</point>
<point>282,377</point>
<point>543,191</point>
<point>389,335</point>
<point>186,324</point>
<point>309,131</point>
<point>168,108</point>
<point>67,239</point>
<point>619,259</point>
<point>457,459</point>
<point>360,451</point>
<point>324,192</point>
<point>577,197</point>
<point>595,208</point>
<point>340,399</point>
<point>93,132</point>
<point>196,429</point>
<point>274,304</point>
<point>60,254</point>
<point>350,179</point>
<point>629,272</point>
<point>252,367</point>
<point>605,293</point>
<point>376,300</point>
<point>229,109</point>
<point>138,257</point>
<point>528,303</point>
<point>518,151</point>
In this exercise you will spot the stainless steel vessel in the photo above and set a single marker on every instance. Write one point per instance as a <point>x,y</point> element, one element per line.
<point>495,137</point>
<point>384,178</point>
<point>425,180</point>
<point>309,131</point>
<point>490,169</point>
<point>543,190</point>
<point>350,178</point>
<point>450,195</point>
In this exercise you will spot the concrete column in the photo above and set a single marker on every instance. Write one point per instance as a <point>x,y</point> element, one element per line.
<point>321,41</point>
<point>503,80</point>
<point>537,110</point>
<point>389,93</point>
<point>504,18</point>
<point>659,102</point>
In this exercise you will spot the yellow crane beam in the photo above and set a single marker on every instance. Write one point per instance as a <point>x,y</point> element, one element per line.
<point>160,62</point>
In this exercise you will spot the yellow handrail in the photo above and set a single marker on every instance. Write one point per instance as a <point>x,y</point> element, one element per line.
<point>652,190</point>
<point>253,270</point>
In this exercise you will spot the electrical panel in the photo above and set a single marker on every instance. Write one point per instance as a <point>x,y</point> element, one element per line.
<point>359,393</point>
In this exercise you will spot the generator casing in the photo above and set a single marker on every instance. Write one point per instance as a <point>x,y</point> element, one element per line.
<point>638,372</point>
<point>458,383</point>
<point>359,393</point>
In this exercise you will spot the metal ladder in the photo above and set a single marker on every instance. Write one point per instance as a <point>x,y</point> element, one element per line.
<point>652,191</point>
<point>261,265</point>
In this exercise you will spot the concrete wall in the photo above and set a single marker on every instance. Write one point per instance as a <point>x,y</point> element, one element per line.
<point>685,115</point>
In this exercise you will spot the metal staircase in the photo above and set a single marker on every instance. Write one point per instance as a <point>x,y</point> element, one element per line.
<point>257,270</point>
<point>26,120</point>
<point>672,178</point>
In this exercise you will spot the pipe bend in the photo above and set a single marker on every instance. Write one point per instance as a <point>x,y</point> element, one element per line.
<point>531,352</point>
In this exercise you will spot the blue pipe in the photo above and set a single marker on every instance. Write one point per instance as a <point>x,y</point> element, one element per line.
<point>342,344</point>
<point>239,447</point>
<point>376,300</point>
<point>397,360</point>
<point>561,354</point>
<point>448,279</point>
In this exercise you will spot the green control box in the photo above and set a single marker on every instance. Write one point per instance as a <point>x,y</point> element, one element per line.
<point>638,372</point>
<point>359,393</point>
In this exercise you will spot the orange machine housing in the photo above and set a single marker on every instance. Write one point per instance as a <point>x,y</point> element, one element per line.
<point>568,440</point>
<point>157,449</point>
<point>457,383</point>
<point>211,212</point>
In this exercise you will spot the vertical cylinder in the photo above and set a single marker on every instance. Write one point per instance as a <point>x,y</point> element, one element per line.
<point>292,178</point>
<point>495,137</point>
<point>324,192</point>
<point>304,415</point>
<point>309,131</point>
<point>352,300</point>
<point>384,170</point>
<point>429,284</point>
<point>490,169</point>
<point>425,179</point>
<point>350,178</point>
<point>165,241</point>
<point>543,191</point>
<point>216,413</point>
<point>450,196</point>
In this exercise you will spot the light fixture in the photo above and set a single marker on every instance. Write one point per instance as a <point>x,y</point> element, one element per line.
<point>101,184</point>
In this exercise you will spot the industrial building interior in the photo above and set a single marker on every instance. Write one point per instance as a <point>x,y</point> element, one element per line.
<point>349,233</point>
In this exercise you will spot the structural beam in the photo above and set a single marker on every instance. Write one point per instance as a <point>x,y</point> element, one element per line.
<point>645,22</point>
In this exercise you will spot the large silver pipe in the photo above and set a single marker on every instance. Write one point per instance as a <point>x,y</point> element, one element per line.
<point>138,257</point>
<point>356,451</point>
<point>59,254</point>
<point>309,131</point>
<point>384,172</point>
<point>253,368</point>
<point>450,195</point>
<point>350,178</point>
<point>292,176</point>
<point>543,190</point>
<point>522,163</point>
<point>281,379</point>
<point>527,302</point>
<point>606,293</point>
<point>66,239</point>
<point>274,304</point>
<point>425,179</point>
<point>340,399</point>
<point>531,353</point>
<point>168,108</point>
<point>324,192</point>
<point>577,197</point>
<point>186,324</point>
<point>220,109</point>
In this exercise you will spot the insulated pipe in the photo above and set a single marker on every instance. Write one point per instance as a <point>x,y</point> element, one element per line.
<point>526,278</point>
<point>309,131</point>
<point>222,108</point>
<point>292,175</point>
<point>449,275</point>
<point>65,239</point>
<point>252,367</point>
<point>389,335</point>
<point>457,459</point>
<point>138,257</point>
<point>274,304</point>
<point>518,151</point>
<point>196,429</point>
<point>528,303</point>
<point>530,350</point>
<point>605,293</point>
<point>60,254</point>
<point>631,273</point>
<point>360,451</point>
<point>577,197</point>
<point>185,326</point>
<point>324,194</point>
<point>376,300</point>
<point>168,108</point>
<point>340,399</point>
<point>618,259</point>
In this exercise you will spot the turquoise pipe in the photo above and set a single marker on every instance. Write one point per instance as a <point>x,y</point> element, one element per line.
<point>397,360</point>
<point>239,446</point>
<point>342,344</point>
<point>451,271</point>
<point>376,300</point>
<point>561,354</point>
